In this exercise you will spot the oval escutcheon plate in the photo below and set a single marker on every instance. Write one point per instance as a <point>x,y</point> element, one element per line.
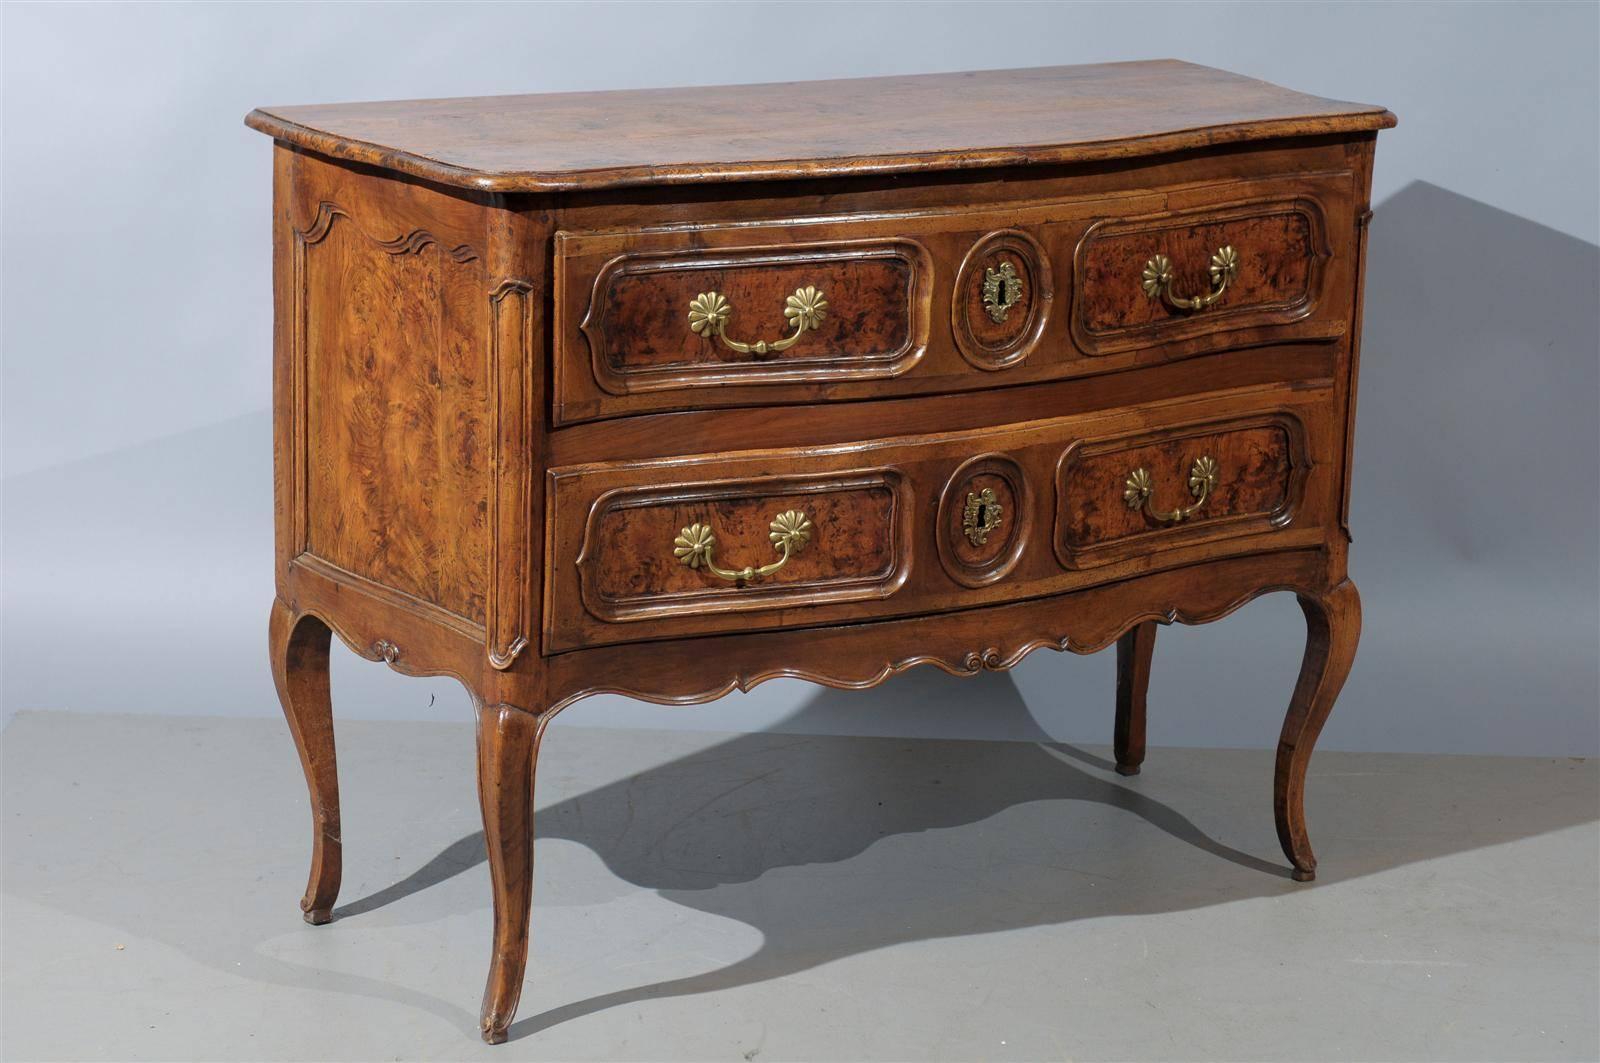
<point>1001,300</point>
<point>984,518</point>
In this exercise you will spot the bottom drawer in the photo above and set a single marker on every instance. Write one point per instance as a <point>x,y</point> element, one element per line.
<point>779,538</point>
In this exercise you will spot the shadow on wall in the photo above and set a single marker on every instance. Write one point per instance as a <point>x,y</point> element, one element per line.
<point>1475,507</point>
<point>1477,428</point>
<point>1474,512</point>
<point>1477,485</point>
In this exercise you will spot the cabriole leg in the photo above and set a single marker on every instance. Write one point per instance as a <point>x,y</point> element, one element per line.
<point>1333,626</point>
<point>299,648</point>
<point>1134,651</point>
<point>508,743</point>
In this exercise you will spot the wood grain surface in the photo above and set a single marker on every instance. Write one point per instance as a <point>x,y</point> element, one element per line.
<point>594,140</point>
<point>490,420</point>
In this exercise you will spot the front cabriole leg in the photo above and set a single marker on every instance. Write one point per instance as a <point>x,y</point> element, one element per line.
<point>299,650</point>
<point>1333,626</point>
<point>508,744</point>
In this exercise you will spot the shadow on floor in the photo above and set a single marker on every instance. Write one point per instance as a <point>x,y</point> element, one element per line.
<point>777,831</point>
<point>830,847</point>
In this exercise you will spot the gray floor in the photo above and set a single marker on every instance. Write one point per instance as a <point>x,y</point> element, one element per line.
<point>769,896</point>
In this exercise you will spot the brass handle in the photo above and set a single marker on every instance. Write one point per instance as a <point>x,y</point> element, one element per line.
<point>805,309</point>
<point>1158,280</point>
<point>1202,481</point>
<point>696,545</point>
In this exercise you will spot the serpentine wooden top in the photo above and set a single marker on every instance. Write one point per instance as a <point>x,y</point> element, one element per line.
<point>594,140</point>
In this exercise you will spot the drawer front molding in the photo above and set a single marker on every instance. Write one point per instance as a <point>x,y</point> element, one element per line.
<point>662,321</point>
<point>1125,496</point>
<point>626,540</point>
<point>1191,274</point>
<point>643,553</point>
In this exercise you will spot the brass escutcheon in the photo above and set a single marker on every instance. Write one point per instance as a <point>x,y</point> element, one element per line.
<point>981,516</point>
<point>1002,289</point>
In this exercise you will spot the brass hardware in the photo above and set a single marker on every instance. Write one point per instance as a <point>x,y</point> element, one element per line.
<point>1002,289</point>
<point>709,311</point>
<point>696,545</point>
<point>1202,481</point>
<point>387,650</point>
<point>1158,280</point>
<point>981,516</point>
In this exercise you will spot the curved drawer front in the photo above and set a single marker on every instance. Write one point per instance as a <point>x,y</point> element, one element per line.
<point>723,313</point>
<point>669,322</point>
<point>1201,273</point>
<point>1132,495</point>
<point>766,539</point>
<point>678,550</point>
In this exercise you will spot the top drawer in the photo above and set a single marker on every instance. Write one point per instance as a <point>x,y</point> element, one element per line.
<point>714,315</point>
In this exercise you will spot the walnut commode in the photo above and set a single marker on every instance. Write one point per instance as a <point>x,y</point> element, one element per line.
<point>823,380</point>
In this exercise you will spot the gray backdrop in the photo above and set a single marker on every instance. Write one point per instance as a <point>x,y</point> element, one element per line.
<point>137,491</point>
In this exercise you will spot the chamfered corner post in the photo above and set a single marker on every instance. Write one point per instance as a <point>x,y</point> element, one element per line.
<point>1134,650</point>
<point>1333,627</point>
<point>299,648</point>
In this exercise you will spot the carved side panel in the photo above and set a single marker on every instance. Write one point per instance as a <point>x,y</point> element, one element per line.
<point>391,386</point>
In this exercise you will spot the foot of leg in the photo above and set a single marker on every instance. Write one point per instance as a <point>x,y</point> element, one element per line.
<point>508,743</point>
<point>299,648</point>
<point>1134,651</point>
<point>1333,627</point>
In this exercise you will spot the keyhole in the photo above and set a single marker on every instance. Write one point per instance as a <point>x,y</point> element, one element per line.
<point>983,514</point>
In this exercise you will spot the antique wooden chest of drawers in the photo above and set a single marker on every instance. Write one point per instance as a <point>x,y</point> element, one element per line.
<point>667,393</point>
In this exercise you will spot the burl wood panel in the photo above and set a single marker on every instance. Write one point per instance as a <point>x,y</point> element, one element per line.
<point>629,559</point>
<point>397,430</point>
<point>1256,465</point>
<point>595,140</point>
<point>933,571</point>
<point>1276,256</point>
<point>428,353</point>
<point>641,321</point>
<point>954,343</point>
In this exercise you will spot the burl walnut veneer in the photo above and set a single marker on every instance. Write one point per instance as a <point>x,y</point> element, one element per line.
<point>668,393</point>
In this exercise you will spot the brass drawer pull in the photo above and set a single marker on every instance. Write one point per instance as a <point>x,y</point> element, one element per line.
<point>1158,280</point>
<point>805,309</point>
<point>1202,481</point>
<point>696,545</point>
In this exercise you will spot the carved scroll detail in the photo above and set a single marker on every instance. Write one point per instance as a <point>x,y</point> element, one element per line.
<point>405,244</point>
